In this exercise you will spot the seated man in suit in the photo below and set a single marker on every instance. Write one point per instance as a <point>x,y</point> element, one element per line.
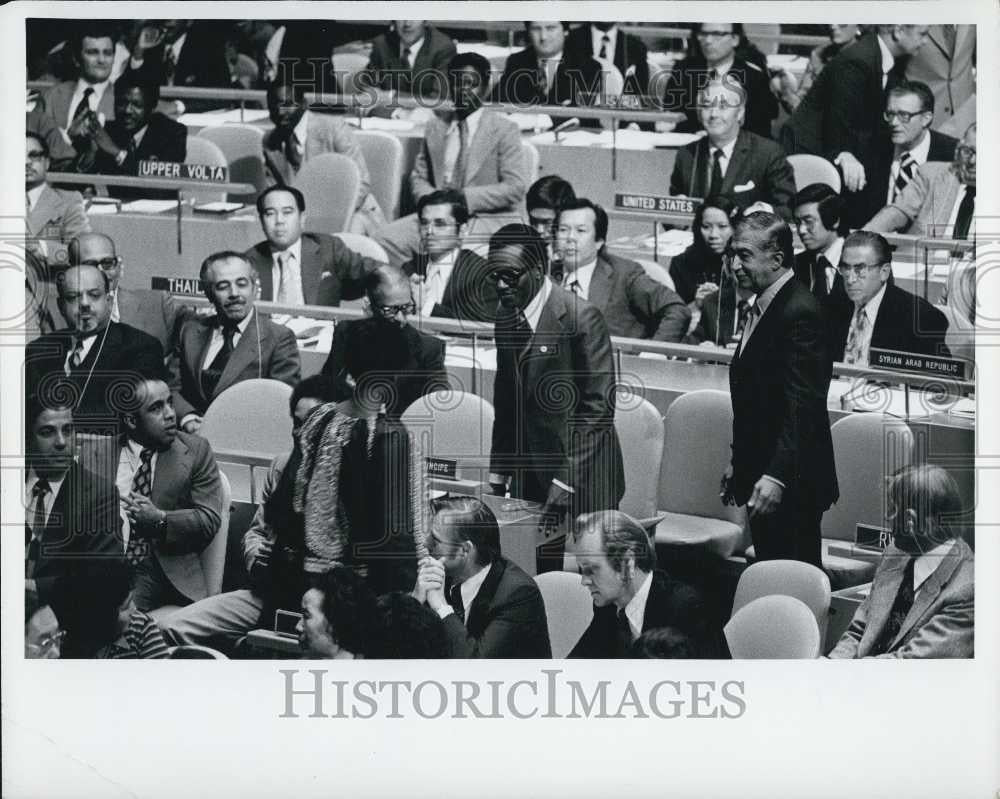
<point>92,355</point>
<point>730,160</point>
<point>300,134</point>
<point>235,343</point>
<point>545,197</point>
<point>339,617</point>
<point>940,201</point>
<point>153,312</point>
<point>299,268</point>
<point>54,216</point>
<point>618,566</point>
<point>449,280</point>
<point>612,48</point>
<point>490,607</point>
<point>69,103</point>
<point>818,213</point>
<point>633,304</point>
<point>473,150</point>
<point>906,145</point>
<point>410,58</point>
<point>922,599</point>
<point>61,153</point>
<point>543,74</point>
<point>138,133</point>
<point>171,498</point>
<point>73,537</point>
<point>275,581</point>
<point>881,314</point>
<point>554,440</point>
<point>390,299</point>
<point>717,60</point>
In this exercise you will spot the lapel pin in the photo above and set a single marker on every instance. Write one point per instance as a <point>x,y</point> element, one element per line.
<point>543,348</point>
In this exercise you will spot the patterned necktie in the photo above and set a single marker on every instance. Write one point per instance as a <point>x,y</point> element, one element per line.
<point>138,549</point>
<point>907,166</point>
<point>819,288</point>
<point>900,608</point>
<point>39,492</point>
<point>853,352</point>
<point>455,600</point>
<point>605,43</point>
<point>570,283</point>
<point>292,151</point>
<point>210,377</point>
<point>715,183</point>
<point>169,65</point>
<point>742,314</point>
<point>284,278</point>
<point>404,56</point>
<point>458,173</point>
<point>75,357</point>
<point>82,107</point>
<point>541,82</point>
<point>963,222</point>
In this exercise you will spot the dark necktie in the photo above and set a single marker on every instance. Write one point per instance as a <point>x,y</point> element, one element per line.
<point>82,107</point>
<point>292,153</point>
<point>138,549</point>
<point>900,609</point>
<point>404,56</point>
<point>742,314</point>
<point>455,600</point>
<point>965,211</point>
<point>624,633</point>
<point>605,41</point>
<point>76,357</point>
<point>907,166</point>
<point>210,376</point>
<point>715,184</point>
<point>819,288</point>
<point>169,65</point>
<point>39,492</point>
<point>458,173</point>
<point>541,82</point>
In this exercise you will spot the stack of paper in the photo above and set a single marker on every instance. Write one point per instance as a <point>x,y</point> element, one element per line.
<point>207,119</point>
<point>150,206</point>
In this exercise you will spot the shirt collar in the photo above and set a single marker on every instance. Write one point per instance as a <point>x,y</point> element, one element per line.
<point>635,610</point>
<point>470,587</point>
<point>832,253</point>
<point>178,45</point>
<point>582,276</point>
<point>597,35</point>
<point>99,88</point>
<point>34,477</point>
<point>871,307</point>
<point>241,326</point>
<point>764,299</point>
<point>727,149</point>
<point>414,48</point>
<point>302,128</point>
<point>926,564</point>
<point>35,193</point>
<point>888,59</point>
<point>533,311</point>
<point>471,122</point>
<point>920,152</point>
<point>726,66</point>
<point>445,261</point>
<point>295,249</point>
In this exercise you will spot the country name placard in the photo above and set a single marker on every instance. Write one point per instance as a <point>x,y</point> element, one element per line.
<point>932,365</point>
<point>171,169</point>
<point>190,286</point>
<point>441,467</point>
<point>656,203</point>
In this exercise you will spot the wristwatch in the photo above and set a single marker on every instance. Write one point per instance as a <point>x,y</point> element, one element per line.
<point>160,528</point>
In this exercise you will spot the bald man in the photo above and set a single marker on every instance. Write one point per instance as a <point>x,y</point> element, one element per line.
<point>153,312</point>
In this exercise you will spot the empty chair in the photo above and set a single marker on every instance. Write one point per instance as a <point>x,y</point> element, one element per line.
<point>207,152</point>
<point>383,154</point>
<point>454,425</point>
<point>330,183</point>
<point>640,430</point>
<point>250,416</point>
<point>243,146</point>
<point>568,609</point>
<point>774,627</point>
<point>790,578</point>
<point>698,430</point>
<point>813,169</point>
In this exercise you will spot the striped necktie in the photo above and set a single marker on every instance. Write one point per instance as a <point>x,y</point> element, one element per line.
<point>82,107</point>
<point>907,166</point>
<point>75,357</point>
<point>138,549</point>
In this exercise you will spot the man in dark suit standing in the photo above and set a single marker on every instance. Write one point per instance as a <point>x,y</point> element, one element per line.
<point>632,303</point>
<point>631,596</point>
<point>490,607</point>
<point>732,161</point>
<point>543,74</point>
<point>881,314</point>
<point>818,212</point>
<point>93,358</point>
<point>554,439</point>
<point>450,281</point>
<point>235,343</point>
<point>391,303</point>
<point>841,116</point>
<point>138,133</point>
<point>410,58</point>
<point>782,464</point>
<point>603,41</point>
<point>73,538</point>
<point>717,61</point>
<point>298,268</point>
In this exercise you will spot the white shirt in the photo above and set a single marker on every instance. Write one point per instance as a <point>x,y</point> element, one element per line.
<point>918,154</point>
<point>437,277</point>
<point>55,483</point>
<point>413,50</point>
<point>217,340</point>
<point>32,195</point>
<point>468,589</point>
<point>301,131</point>
<point>94,101</point>
<point>888,60</point>
<point>871,312</point>
<point>760,302</point>
<point>551,67</point>
<point>581,277</point>
<point>925,565</point>
<point>293,282</point>
<point>724,67</point>
<point>453,142</point>
<point>635,610</point>
<point>597,40</point>
<point>533,311</point>
<point>727,154</point>
<point>953,216</point>
<point>129,462</point>
<point>832,255</point>
<point>88,345</point>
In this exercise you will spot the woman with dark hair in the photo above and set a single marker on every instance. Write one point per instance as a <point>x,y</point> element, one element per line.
<point>696,272</point>
<point>791,91</point>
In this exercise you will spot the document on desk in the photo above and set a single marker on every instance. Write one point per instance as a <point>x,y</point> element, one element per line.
<point>535,122</point>
<point>377,123</point>
<point>621,140</point>
<point>150,206</point>
<point>207,119</point>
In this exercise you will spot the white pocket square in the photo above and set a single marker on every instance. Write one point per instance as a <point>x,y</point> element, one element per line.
<point>745,187</point>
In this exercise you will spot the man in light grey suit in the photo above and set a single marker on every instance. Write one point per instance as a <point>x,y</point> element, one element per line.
<point>922,600</point>
<point>236,343</point>
<point>54,216</point>
<point>473,150</point>
<point>300,134</point>
<point>945,63</point>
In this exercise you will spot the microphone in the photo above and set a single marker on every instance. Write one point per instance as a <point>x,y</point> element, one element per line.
<point>569,124</point>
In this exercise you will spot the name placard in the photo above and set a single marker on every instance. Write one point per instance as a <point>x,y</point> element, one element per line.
<point>441,467</point>
<point>870,536</point>
<point>655,202</point>
<point>189,286</point>
<point>171,169</point>
<point>920,364</point>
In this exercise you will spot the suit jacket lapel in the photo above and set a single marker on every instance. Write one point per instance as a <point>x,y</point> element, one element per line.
<point>43,211</point>
<point>169,472</point>
<point>479,146</point>
<point>244,354</point>
<point>436,131</point>
<point>203,334</point>
<point>741,157</point>
<point>549,328</point>
<point>310,269</point>
<point>600,284</point>
<point>929,591</point>
<point>883,595</point>
<point>475,614</point>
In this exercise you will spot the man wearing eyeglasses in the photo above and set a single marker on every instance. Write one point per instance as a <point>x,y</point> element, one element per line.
<point>53,216</point>
<point>940,202</point>
<point>881,314</point>
<point>390,304</point>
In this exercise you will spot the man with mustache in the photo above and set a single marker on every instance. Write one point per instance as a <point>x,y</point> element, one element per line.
<point>232,345</point>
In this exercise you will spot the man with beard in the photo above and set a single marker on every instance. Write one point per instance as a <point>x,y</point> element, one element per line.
<point>233,344</point>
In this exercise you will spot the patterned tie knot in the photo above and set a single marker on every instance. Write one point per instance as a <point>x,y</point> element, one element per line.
<point>137,551</point>
<point>146,455</point>
<point>41,488</point>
